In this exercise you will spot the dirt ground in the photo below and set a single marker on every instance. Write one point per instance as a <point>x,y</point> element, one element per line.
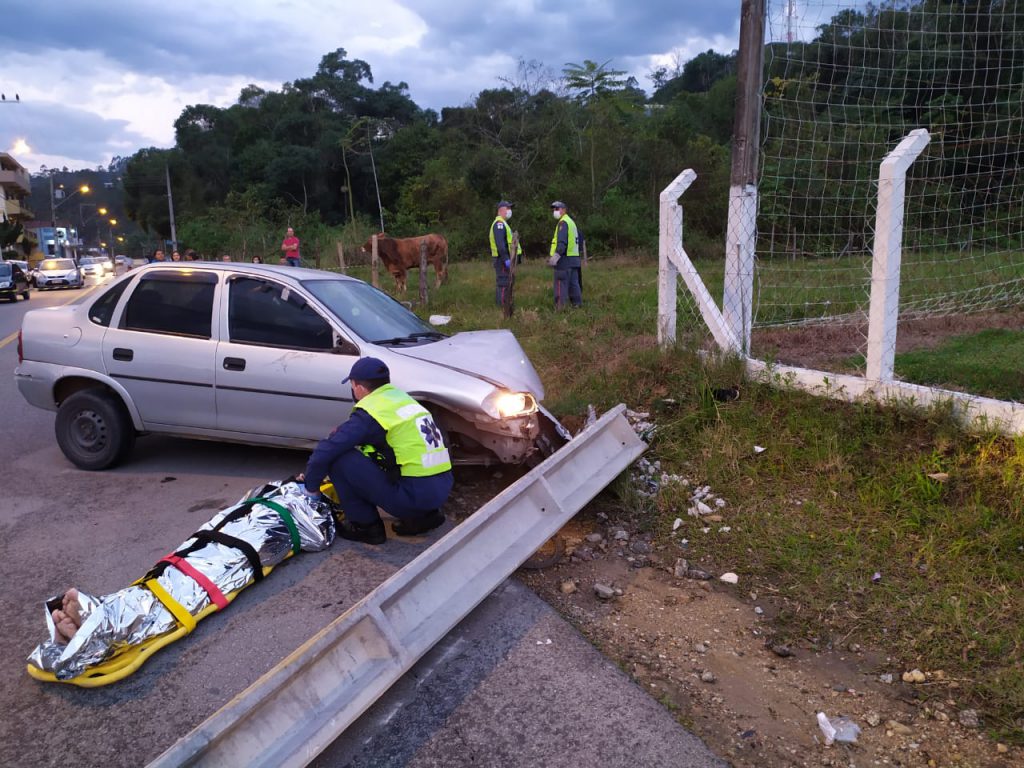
<point>704,648</point>
<point>830,347</point>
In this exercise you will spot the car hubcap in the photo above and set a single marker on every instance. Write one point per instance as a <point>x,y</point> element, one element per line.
<point>89,431</point>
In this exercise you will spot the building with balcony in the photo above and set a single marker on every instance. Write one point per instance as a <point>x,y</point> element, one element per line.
<point>15,186</point>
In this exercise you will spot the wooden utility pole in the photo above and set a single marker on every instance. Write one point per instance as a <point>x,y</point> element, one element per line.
<point>741,234</point>
<point>341,257</point>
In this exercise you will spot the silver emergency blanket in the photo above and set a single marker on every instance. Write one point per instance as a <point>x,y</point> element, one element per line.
<point>133,615</point>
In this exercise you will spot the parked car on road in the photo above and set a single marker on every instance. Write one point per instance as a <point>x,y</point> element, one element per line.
<point>13,282</point>
<point>256,354</point>
<point>107,263</point>
<point>57,273</point>
<point>123,264</point>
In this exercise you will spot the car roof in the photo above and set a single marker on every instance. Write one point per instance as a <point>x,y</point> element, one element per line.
<point>264,270</point>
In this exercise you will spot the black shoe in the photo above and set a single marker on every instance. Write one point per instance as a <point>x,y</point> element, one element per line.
<point>417,525</point>
<point>368,533</point>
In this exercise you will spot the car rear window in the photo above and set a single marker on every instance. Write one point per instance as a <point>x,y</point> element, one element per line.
<point>102,309</point>
<point>175,303</point>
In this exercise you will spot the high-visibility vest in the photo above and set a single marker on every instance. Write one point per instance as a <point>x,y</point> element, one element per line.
<point>411,432</point>
<point>508,237</point>
<point>573,246</point>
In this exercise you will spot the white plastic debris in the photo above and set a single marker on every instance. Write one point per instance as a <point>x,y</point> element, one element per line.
<point>440,319</point>
<point>676,523</point>
<point>759,449</point>
<point>591,415</point>
<point>729,578</point>
<point>841,729</point>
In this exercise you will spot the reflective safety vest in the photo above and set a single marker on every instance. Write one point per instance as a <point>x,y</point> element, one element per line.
<point>411,432</point>
<point>508,237</point>
<point>573,246</point>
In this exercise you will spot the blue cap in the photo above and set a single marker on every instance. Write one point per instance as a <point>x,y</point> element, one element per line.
<point>559,204</point>
<point>504,204</point>
<point>368,369</point>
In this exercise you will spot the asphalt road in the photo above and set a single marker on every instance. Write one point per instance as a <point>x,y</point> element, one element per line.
<point>489,694</point>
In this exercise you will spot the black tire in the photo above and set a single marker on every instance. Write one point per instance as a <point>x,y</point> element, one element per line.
<point>94,430</point>
<point>26,295</point>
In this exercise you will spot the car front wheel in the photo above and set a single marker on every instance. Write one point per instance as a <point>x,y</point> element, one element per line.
<point>93,430</point>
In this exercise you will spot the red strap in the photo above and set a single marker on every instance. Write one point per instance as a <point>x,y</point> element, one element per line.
<point>183,565</point>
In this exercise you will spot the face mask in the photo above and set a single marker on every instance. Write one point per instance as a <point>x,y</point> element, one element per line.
<point>556,214</point>
<point>508,215</point>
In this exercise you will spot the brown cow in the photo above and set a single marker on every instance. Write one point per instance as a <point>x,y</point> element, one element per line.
<point>401,254</point>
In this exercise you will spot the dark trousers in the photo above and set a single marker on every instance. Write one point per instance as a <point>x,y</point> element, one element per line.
<point>362,486</point>
<point>502,280</point>
<point>567,287</point>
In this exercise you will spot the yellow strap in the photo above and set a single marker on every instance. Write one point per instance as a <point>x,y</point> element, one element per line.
<point>177,610</point>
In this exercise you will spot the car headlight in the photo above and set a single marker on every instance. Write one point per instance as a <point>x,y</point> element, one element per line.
<point>5,285</point>
<point>506,405</point>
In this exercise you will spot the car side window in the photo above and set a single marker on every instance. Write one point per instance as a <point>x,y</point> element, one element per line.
<point>102,309</point>
<point>174,303</point>
<point>268,314</point>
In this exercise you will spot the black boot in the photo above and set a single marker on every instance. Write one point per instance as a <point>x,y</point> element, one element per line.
<point>368,533</point>
<point>417,525</point>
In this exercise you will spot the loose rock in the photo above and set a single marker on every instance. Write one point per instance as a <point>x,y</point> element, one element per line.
<point>872,719</point>
<point>968,718</point>
<point>697,573</point>
<point>914,676</point>
<point>729,578</point>
<point>681,567</point>
<point>568,587</point>
<point>621,535</point>
<point>783,651</point>
<point>603,591</point>
<point>707,676</point>
<point>594,538</point>
<point>898,728</point>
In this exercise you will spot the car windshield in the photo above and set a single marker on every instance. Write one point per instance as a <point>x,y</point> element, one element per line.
<point>57,264</point>
<point>86,261</point>
<point>5,270</point>
<point>370,313</point>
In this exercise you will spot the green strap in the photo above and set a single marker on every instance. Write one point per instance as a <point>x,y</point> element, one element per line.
<point>288,521</point>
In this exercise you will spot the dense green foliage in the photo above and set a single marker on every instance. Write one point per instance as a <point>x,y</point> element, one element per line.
<point>333,149</point>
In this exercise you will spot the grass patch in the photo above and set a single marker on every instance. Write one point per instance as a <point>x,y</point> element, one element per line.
<point>842,491</point>
<point>986,363</point>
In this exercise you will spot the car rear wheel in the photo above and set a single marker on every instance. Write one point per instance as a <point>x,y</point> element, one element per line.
<point>93,430</point>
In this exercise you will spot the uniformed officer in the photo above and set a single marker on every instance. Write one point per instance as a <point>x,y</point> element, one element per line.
<point>501,249</point>
<point>565,257</point>
<point>389,454</point>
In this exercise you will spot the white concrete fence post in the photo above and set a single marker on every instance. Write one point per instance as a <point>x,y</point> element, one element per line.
<point>673,262</point>
<point>885,265</point>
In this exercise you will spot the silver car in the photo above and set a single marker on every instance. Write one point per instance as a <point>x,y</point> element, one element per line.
<point>91,266</point>
<point>57,273</point>
<point>256,354</point>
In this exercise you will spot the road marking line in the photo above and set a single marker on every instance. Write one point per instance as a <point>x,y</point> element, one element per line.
<point>8,339</point>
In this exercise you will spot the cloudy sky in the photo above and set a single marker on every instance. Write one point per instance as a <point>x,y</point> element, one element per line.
<point>103,79</point>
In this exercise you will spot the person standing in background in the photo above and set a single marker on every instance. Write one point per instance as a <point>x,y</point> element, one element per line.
<point>501,251</point>
<point>565,257</point>
<point>290,248</point>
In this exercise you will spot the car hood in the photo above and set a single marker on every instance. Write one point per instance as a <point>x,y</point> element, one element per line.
<point>56,272</point>
<point>506,364</point>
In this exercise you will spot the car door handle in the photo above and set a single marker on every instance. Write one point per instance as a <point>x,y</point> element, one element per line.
<point>234,364</point>
<point>120,353</point>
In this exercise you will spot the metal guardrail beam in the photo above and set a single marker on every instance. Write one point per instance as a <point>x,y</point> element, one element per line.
<point>292,713</point>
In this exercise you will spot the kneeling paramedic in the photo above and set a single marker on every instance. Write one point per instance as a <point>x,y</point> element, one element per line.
<point>389,454</point>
